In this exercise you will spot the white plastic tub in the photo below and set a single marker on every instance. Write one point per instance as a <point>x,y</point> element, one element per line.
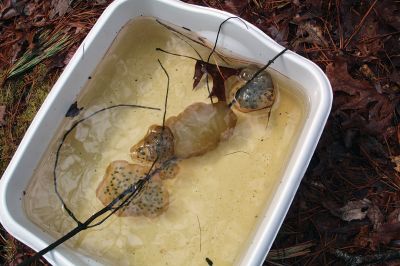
<point>248,42</point>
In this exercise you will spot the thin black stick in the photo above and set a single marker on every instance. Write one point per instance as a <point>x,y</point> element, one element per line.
<point>270,62</point>
<point>134,190</point>
<point>64,205</point>
<point>130,192</point>
<point>166,97</point>
<point>186,56</point>
<point>198,54</point>
<point>219,31</point>
<point>257,73</point>
<point>215,46</point>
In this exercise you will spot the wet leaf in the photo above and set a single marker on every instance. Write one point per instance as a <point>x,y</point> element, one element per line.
<point>73,110</point>
<point>218,75</point>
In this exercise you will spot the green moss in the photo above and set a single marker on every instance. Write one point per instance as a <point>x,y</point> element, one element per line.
<point>22,98</point>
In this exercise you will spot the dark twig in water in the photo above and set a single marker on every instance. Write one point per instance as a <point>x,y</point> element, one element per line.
<point>188,43</point>
<point>237,152</point>
<point>138,188</point>
<point>126,196</point>
<point>198,223</point>
<point>180,33</point>
<point>64,205</point>
<point>186,56</point>
<point>213,50</point>
<point>130,193</point>
<point>270,62</point>
<point>166,94</point>
<point>219,31</point>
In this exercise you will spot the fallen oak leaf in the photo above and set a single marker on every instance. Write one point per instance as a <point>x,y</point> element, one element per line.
<point>361,96</point>
<point>353,210</point>
<point>218,74</point>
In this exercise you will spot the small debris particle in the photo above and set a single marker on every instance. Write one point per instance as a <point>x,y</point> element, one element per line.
<point>90,77</point>
<point>209,262</point>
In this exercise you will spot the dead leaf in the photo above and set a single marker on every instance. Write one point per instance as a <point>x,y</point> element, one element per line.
<point>218,75</point>
<point>373,111</point>
<point>310,32</point>
<point>59,7</point>
<point>353,210</point>
<point>394,216</point>
<point>375,215</point>
<point>396,161</point>
<point>73,110</point>
<point>234,6</point>
<point>9,13</point>
<point>388,11</point>
<point>2,113</point>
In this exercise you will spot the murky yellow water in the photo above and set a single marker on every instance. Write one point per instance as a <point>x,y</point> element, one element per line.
<point>215,200</point>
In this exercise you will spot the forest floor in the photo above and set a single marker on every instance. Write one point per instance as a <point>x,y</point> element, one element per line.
<point>347,208</point>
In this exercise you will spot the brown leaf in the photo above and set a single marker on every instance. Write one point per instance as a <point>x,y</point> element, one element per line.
<point>386,233</point>
<point>388,11</point>
<point>394,216</point>
<point>235,6</point>
<point>218,74</point>
<point>353,210</point>
<point>2,113</point>
<point>375,215</point>
<point>375,110</point>
<point>59,7</point>
<point>310,32</point>
<point>396,161</point>
<point>9,13</point>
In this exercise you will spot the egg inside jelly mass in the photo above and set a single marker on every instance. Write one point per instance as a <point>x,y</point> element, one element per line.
<point>204,207</point>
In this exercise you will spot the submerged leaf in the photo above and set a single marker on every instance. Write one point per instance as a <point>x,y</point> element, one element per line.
<point>73,110</point>
<point>218,74</point>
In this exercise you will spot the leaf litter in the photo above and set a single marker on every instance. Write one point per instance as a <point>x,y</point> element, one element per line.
<point>356,162</point>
